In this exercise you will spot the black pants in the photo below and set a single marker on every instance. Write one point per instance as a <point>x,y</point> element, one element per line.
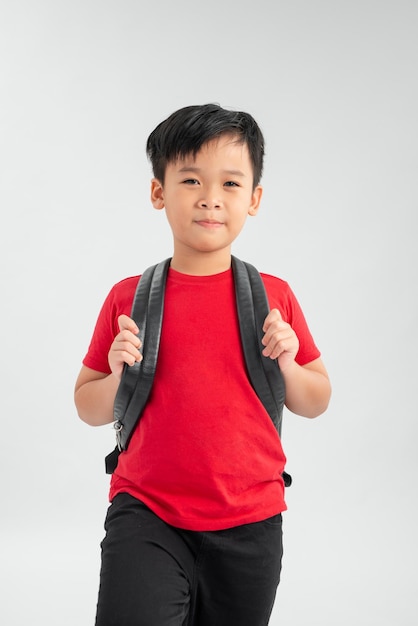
<point>153,574</point>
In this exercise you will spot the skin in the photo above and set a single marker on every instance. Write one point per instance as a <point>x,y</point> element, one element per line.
<point>207,200</point>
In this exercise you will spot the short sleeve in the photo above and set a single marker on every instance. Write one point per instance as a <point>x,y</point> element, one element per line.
<point>118,302</point>
<point>281,297</point>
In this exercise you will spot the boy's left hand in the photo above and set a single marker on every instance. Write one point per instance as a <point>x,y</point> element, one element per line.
<point>280,340</point>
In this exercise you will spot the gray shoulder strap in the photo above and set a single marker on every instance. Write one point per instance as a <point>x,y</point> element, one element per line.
<point>253,308</point>
<point>136,382</point>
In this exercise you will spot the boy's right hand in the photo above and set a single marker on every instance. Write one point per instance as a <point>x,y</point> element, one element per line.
<point>125,346</point>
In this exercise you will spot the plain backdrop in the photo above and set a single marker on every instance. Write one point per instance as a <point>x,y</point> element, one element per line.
<point>333,85</point>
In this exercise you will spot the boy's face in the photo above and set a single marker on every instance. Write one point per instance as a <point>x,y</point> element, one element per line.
<point>207,198</point>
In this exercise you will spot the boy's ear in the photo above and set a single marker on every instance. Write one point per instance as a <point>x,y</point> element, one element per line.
<point>255,200</point>
<point>157,194</point>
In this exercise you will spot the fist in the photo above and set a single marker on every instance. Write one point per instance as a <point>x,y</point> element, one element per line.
<point>125,347</point>
<point>280,340</point>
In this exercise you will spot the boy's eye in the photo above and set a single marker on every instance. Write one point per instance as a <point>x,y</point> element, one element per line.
<point>231,183</point>
<point>191,181</point>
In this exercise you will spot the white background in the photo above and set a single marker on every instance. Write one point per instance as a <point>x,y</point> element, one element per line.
<point>333,85</point>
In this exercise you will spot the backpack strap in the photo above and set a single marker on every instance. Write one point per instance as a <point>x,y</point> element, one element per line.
<point>136,381</point>
<point>264,373</point>
<point>253,308</point>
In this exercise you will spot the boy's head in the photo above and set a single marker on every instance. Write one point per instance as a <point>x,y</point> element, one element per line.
<point>185,131</point>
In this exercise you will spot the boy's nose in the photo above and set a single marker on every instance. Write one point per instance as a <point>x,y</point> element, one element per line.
<point>209,204</point>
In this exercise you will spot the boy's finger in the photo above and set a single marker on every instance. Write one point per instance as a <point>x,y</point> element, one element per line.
<point>277,314</point>
<point>127,323</point>
<point>273,316</point>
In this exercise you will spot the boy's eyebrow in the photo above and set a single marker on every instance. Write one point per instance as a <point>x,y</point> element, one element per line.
<point>197,170</point>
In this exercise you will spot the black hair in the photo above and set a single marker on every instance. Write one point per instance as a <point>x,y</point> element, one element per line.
<point>186,130</point>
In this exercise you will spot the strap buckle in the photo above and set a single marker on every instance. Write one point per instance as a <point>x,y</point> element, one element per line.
<point>117,425</point>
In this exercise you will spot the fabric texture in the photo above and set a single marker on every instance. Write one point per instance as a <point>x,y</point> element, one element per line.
<point>156,575</point>
<point>205,455</point>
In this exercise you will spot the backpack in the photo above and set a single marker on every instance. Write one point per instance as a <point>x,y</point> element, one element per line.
<point>147,312</point>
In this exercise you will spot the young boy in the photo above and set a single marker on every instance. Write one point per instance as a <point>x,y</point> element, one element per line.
<point>193,531</point>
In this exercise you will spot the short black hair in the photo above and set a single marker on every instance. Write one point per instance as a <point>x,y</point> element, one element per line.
<point>186,130</point>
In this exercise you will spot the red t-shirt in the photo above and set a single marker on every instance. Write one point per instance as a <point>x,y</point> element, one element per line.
<point>205,455</point>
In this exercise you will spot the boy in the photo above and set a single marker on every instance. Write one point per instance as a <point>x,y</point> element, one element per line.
<point>193,531</point>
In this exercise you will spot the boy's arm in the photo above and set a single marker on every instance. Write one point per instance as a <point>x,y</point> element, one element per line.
<point>95,392</point>
<point>308,389</point>
<point>94,396</point>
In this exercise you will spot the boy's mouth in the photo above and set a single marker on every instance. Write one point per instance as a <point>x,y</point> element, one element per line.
<point>209,223</point>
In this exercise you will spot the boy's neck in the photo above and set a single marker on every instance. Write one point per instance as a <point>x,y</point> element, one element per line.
<point>202,264</point>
